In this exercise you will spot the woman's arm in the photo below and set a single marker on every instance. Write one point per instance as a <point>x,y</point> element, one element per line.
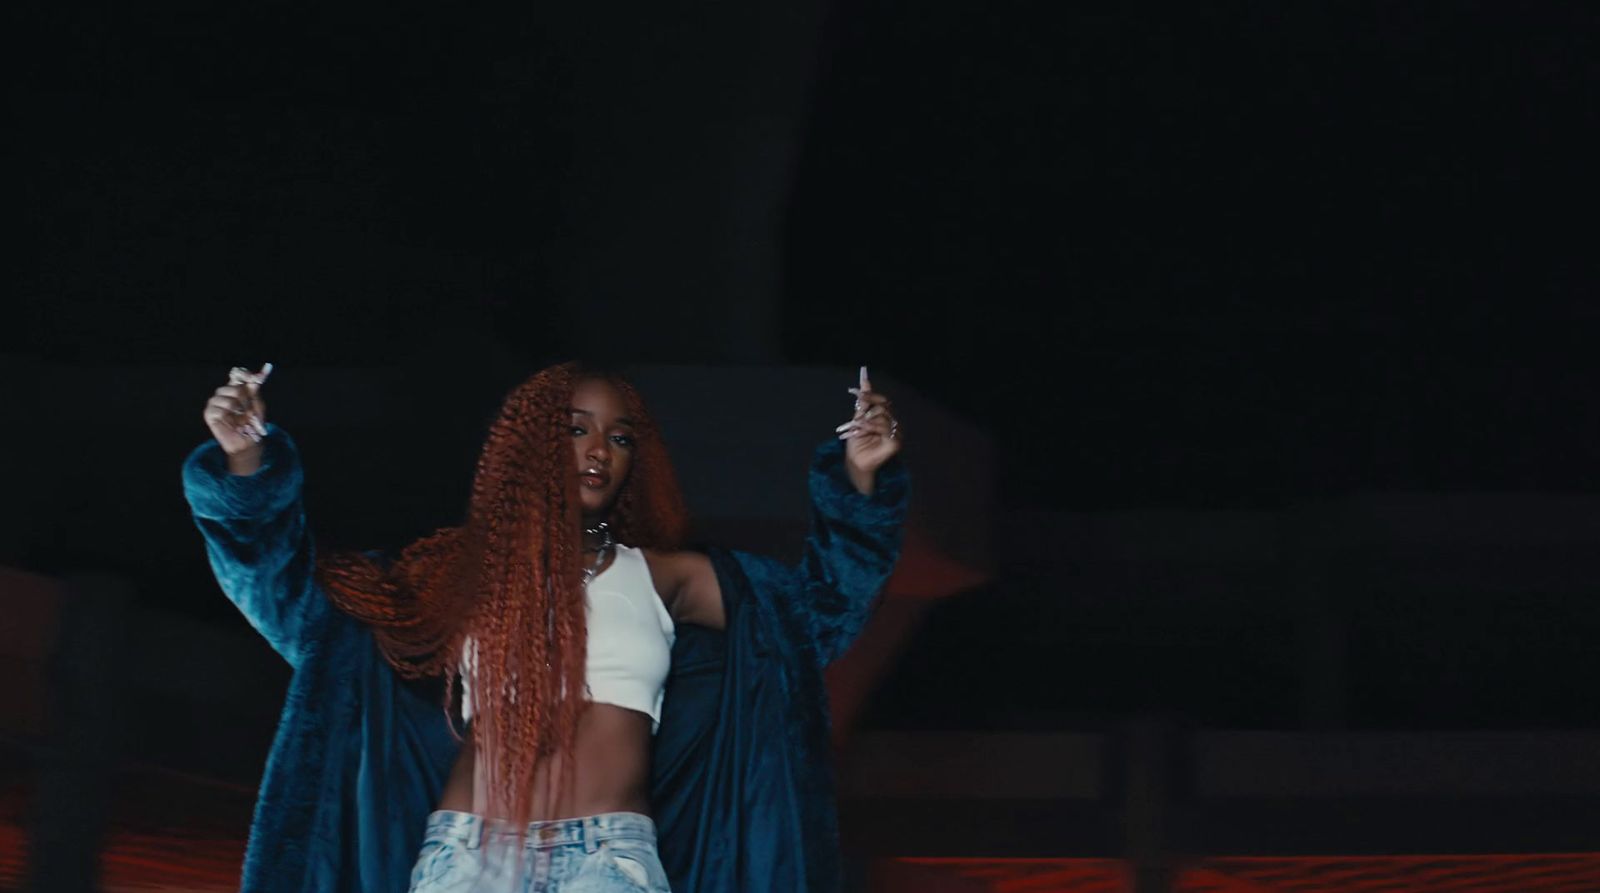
<point>244,492</point>
<point>859,493</point>
<point>851,549</point>
<point>858,504</point>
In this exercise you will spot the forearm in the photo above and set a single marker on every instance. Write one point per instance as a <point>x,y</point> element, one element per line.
<point>865,482</point>
<point>246,463</point>
<point>852,548</point>
<point>257,540</point>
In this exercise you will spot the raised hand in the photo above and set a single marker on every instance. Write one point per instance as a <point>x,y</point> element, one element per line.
<point>872,437</point>
<point>237,417</point>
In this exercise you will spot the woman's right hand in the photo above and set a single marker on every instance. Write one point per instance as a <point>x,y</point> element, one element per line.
<point>237,418</point>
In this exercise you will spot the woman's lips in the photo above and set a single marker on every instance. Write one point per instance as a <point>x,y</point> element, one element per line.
<point>595,480</point>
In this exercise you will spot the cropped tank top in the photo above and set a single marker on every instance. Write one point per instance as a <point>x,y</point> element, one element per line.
<point>630,636</point>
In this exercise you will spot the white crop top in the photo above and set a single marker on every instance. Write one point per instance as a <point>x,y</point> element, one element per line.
<point>630,636</point>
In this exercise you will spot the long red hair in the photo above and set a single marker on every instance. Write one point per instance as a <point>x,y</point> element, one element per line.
<point>510,577</point>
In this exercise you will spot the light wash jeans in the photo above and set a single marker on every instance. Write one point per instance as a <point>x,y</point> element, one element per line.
<point>614,852</point>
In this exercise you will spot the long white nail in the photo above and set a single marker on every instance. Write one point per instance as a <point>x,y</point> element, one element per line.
<point>845,427</point>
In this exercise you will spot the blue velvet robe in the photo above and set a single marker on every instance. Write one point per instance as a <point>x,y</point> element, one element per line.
<point>742,784</point>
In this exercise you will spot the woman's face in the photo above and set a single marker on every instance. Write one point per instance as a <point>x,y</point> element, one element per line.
<point>602,445</point>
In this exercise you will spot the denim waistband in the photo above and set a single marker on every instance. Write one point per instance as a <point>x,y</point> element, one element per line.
<point>470,829</point>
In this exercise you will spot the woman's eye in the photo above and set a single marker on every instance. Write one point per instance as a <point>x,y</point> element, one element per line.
<point>622,440</point>
<point>577,431</point>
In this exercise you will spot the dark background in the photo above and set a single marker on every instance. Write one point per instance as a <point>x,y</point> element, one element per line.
<point>1188,256</point>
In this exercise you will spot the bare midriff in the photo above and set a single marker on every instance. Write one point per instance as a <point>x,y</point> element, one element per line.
<point>610,772</point>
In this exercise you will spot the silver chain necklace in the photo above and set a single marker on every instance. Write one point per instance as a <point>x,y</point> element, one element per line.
<point>602,530</point>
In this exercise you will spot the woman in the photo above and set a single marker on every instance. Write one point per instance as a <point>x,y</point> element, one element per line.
<point>700,674</point>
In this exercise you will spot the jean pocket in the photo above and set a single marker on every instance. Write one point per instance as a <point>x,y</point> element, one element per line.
<point>433,863</point>
<point>636,862</point>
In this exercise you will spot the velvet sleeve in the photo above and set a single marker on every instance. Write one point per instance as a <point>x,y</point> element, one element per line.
<point>851,549</point>
<point>257,541</point>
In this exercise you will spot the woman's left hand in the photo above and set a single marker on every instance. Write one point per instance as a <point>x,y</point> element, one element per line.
<point>872,437</point>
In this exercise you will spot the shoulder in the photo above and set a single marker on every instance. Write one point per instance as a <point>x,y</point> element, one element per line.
<point>687,581</point>
<point>672,566</point>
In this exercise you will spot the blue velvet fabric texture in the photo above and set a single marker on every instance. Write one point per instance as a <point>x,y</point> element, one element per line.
<point>742,784</point>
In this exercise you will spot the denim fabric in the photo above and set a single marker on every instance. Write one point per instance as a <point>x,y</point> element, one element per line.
<point>613,852</point>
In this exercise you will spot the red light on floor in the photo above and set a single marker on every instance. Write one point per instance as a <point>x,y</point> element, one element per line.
<point>1532,873</point>
<point>938,875</point>
<point>1509,873</point>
